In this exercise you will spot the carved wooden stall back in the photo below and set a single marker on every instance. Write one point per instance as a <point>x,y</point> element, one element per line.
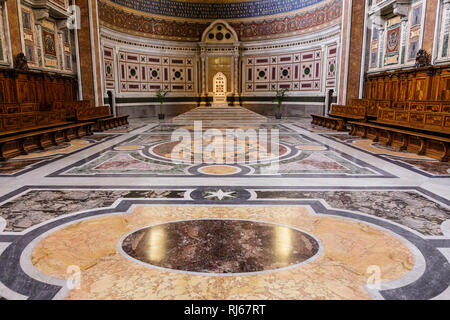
<point>415,84</point>
<point>32,102</point>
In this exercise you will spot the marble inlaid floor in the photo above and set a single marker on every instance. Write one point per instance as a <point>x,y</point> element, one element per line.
<point>120,215</point>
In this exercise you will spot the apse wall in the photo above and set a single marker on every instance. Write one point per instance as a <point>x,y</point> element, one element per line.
<point>299,52</point>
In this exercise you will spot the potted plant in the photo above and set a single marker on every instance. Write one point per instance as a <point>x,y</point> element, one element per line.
<point>279,98</point>
<point>161,95</point>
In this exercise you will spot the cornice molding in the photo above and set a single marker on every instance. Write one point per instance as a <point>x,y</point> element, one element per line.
<point>55,11</point>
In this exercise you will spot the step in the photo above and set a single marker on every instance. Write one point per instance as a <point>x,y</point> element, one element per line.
<point>223,116</point>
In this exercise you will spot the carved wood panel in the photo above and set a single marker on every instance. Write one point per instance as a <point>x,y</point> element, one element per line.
<point>432,83</point>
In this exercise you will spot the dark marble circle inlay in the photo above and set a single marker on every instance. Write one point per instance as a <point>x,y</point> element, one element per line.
<point>220,246</point>
<point>219,36</point>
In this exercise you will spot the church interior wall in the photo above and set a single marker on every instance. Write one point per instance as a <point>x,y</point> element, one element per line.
<point>309,62</point>
<point>135,69</point>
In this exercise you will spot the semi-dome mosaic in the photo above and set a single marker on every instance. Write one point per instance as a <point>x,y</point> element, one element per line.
<point>186,20</point>
<point>211,10</point>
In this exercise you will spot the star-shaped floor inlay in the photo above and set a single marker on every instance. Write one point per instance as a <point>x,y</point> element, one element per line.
<point>220,194</point>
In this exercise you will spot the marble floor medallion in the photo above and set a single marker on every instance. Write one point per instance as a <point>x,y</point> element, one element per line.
<point>231,151</point>
<point>133,215</point>
<point>220,246</point>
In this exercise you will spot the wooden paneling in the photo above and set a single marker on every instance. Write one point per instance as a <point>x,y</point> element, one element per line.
<point>39,87</point>
<point>415,84</point>
<point>430,116</point>
<point>27,98</point>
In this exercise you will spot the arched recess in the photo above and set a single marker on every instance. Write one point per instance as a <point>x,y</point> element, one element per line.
<point>220,53</point>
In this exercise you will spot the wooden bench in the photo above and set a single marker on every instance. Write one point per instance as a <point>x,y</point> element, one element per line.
<point>329,122</point>
<point>434,146</point>
<point>15,143</point>
<point>33,128</point>
<point>348,112</point>
<point>111,123</point>
<point>375,105</point>
<point>72,106</point>
<point>339,115</point>
<point>123,120</point>
<point>102,117</point>
<point>421,120</point>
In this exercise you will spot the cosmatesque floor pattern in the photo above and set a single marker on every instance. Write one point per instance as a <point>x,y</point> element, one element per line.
<point>120,215</point>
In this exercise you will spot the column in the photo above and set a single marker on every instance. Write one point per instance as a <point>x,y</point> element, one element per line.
<point>429,25</point>
<point>236,79</point>
<point>89,52</point>
<point>355,50</point>
<point>14,27</point>
<point>401,8</point>
<point>37,26</point>
<point>61,25</point>
<point>203,74</point>
<point>380,24</point>
<point>404,37</point>
<point>382,36</point>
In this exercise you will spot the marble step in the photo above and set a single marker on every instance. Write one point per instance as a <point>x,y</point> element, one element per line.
<point>231,116</point>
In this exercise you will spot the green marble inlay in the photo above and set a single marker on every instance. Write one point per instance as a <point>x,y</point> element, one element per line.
<point>1,49</point>
<point>39,57</point>
<point>445,45</point>
<point>403,54</point>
